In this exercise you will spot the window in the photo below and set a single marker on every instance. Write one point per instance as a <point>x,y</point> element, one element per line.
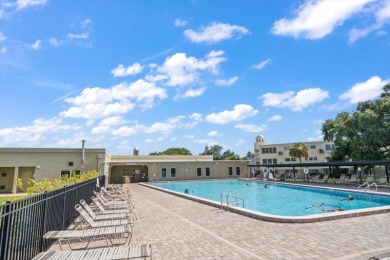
<point>199,172</point>
<point>207,171</point>
<point>287,159</point>
<point>238,170</point>
<point>4,174</point>
<point>268,150</point>
<point>329,147</point>
<point>264,161</point>
<point>287,148</point>
<point>274,161</point>
<point>2,187</point>
<point>293,159</point>
<point>70,173</point>
<point>63,173</point>
<point>230,170</point>
<point>173,172</point>
<point>313,146</point>
<point>163,172</point>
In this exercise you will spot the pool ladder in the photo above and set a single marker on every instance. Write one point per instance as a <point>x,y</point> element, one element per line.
<point>231,200</point>
<point>368,186</point>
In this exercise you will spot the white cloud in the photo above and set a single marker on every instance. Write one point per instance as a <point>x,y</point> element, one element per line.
<point>32,134</point>
<point>99,102</point>
<point>114,120</point>
<point>212,133</point>
<point>149,141</point>
<point>226,82</point>
<point>274,118</point>
<point>124,131</point>
<point>86,23</point>
<point>81,36</point>
<point>55,42</point>
<point>363,91</point>
<point>3,50</point>
<point>2,37</point>
<point>239,113</point>
<point>251,128</point>
<point>261,65</point>
<point>301,100</point>
<point>26,3</point>
<point>240,142</point>
<point>315,19</point>
<point>180,23</point>
<point>196,116</point>
<point>180,70</point>
<point>216,32</point>
<point>36,45</point>
<point>121,71</point>
<point>382,15</point>
<point>190,93</point>
<point>100,130</point>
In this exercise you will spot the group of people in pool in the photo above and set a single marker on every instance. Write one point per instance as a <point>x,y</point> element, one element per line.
<point>350,197</point>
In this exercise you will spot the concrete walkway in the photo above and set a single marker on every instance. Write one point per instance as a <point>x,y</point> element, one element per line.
<point>179,228</point>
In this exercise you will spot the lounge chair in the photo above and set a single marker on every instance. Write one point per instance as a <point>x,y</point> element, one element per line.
<point>341,179</point>
<point>79,236</point>
<point>86,219</point>
<point>352,180</point>
<point>103,216</point>
<point>116,200</point>
<point>115,195</point>
<point>315,178</point>
<point>112,204</point>
<point>324,179</point>
<point>383,181</point>
<point>104,210</point>
<point>370,179</point>
<point>107,253</point>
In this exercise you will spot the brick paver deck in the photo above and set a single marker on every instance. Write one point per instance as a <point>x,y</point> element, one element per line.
<point>179,228</point>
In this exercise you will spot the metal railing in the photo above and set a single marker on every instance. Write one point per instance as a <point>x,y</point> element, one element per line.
<point>24,222</point>
<point>236,201</point>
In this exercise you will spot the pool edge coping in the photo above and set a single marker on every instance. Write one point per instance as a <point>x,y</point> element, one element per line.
<point>279,219</point>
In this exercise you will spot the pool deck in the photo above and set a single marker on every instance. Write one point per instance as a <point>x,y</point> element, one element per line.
<point>179,228</point>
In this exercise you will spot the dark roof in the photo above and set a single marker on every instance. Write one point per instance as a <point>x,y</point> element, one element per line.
<point>325,164</point>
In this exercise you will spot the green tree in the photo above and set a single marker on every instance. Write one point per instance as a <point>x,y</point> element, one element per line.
<point>173,151</point>
<point>249,156</point>
<point>214,150</point>
<point>229,155</point>
<point>363,134</point>
<point>299,150</point>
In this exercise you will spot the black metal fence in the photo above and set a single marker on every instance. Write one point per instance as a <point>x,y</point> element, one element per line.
<point>24,222</point>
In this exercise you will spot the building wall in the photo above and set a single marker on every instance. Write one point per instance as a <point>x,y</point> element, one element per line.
<point>265,153</point>
<point>48,163</point>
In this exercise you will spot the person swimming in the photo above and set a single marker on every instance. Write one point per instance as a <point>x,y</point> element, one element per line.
<point>266,185</point>
<point>316,206</point>
<point>186,191</point>
<point>333,210</point>
<point>350,197</point>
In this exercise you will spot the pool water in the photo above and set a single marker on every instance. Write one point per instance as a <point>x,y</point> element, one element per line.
<point>278,199</point>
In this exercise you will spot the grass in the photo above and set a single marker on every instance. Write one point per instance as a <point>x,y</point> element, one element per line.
<point>3,200</point>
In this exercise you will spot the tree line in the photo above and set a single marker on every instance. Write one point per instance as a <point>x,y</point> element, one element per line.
<point>214,150</point>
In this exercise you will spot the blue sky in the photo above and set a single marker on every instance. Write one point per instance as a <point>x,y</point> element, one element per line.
<point>161,74</point>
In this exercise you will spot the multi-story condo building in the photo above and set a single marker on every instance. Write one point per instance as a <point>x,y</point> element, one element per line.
<point>269,154</point>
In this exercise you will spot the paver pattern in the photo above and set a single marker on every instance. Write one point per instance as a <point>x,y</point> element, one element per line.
<point>179,228</point>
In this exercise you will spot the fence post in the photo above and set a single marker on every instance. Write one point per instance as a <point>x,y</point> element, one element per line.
<point>63,210</point>
<point>43,221</point>
<point>5,230</point>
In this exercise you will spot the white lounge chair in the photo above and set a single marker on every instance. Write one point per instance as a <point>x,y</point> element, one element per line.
<point>107,210</point>
<point>107,253</point>
<point>86,219</point>
<point>103,216</point>
<point>109,234</point>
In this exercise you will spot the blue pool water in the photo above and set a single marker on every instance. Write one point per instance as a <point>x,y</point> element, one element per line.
<point>278,199</point>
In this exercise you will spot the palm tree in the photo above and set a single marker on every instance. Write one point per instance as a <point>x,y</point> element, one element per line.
<point>299,150</point>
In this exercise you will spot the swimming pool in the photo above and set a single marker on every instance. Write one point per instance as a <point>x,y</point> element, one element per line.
<point>278,199</point>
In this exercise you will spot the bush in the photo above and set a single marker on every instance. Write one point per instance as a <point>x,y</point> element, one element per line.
<point>46,185</point>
